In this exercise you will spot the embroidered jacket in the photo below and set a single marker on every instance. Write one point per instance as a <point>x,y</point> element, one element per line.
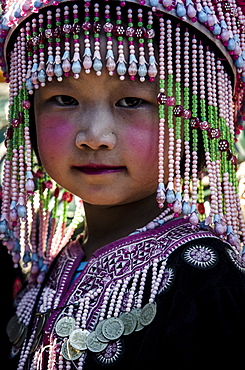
<point>171,296</point>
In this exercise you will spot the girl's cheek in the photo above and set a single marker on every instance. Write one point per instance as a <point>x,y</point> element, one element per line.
<point>142,138</point>
<point>52,134</point>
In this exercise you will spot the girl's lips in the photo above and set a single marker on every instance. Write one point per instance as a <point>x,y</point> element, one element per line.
<point>99,169</point>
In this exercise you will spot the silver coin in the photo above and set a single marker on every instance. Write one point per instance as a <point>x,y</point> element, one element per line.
<point>15,329</point>
<point>136,312</point>
<point>113,328</point>
<point>99,334</point>
<point>65,326</point>
<point>41,321</point>
<point>78,339</point>
<point>93,343</point>
<point>148,313</point>
<point>129,322</point>
<point>70,353</point>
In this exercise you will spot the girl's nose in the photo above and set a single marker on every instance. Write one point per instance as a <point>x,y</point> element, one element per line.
<point>97,133</point>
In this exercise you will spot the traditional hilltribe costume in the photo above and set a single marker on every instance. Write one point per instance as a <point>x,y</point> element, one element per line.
<point>173,292</point>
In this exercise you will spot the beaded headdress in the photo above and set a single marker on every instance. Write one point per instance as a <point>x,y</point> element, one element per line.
<point>194,48</point>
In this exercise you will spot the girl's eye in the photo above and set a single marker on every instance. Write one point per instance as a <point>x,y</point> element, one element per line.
<point>129,102</point>
<point>65,100</point>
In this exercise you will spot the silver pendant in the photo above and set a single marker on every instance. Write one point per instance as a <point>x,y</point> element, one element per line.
<point>129,322</point>
<point>70,353</point>
<point>94,344</point>
<point>78,339</point>
<point>65,326</point>
<point>99,334</point>
<point>148,313</point>
<point>113,328</point>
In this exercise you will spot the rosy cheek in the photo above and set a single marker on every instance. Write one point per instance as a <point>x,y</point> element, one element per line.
<point>142,140</point>
<point>52,135</point>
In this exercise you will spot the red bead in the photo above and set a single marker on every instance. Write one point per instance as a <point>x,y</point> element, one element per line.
<point>204,125</point>
<point>234,160</point>
<point>108,27</point>
<point>15,122</point>
<point>119,30</point>
<point>229,154</point>
<point>9,133</point>
<point>130,32</point>
<point>140,32</point>
<point>214,133</point>
<point>76,29</point>
<point>48,184</point>
<point>56,192</point>
<point>201,208</point>
<point>39,174</point>
<point>195,123</point>
<point>171,101</point>
<point>26,104</point>
<point>161,98</point>
<point>150,34</point>
<point>67,28</point>
<point>97,27</point>
<point>48,33</point>
<point>42,37</point>
<point>21,117</point>
<point>67,197</point>
<point>186,114</point>
<point>223,145</point>
<point>86,26</point>
<point>178,111</point>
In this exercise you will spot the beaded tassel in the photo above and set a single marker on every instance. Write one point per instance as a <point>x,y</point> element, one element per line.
<point>108,28</point>
<point>67,29</point>
<point>150,34</point>
<point>41,68</point>
<point>86,26</point>
<point>140,34</point>
<point>170,196</point>
<point>76,61</point>
<point>119,31</point>
<point>130,33</point>
<point>177,206</point>
<point>160,197</point>
<point>97,64</point>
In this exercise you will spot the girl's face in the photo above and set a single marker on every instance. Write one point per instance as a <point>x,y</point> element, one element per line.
<point>98,137</point>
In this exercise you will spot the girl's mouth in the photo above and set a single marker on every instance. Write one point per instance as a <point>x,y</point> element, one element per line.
<point>95,169</point>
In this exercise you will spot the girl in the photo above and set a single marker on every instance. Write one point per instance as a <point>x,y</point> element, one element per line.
<point>131,107</point>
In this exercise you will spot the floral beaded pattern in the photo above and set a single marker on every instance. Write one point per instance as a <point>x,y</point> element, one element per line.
<point>200,256</point>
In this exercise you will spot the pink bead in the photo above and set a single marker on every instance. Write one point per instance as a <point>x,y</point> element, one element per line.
<point>26,104</point>
<point>170,101</point>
